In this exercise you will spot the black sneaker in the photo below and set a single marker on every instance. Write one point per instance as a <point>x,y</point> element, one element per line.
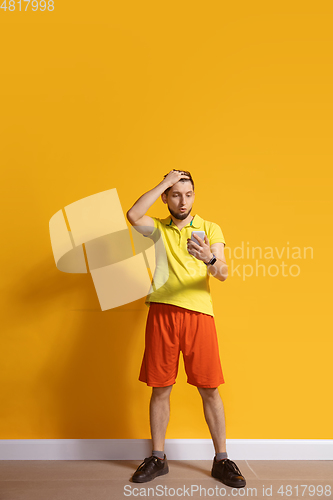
<point>150,468</point>
<point>227,471</point>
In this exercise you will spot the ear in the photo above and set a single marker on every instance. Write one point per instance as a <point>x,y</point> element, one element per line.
<point>164,197</point>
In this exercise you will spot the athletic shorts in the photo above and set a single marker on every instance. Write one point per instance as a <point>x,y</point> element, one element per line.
<point>171,329</point>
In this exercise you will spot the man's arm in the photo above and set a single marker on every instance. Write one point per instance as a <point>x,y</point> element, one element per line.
<point>220,269</point>
<point>136,215</point>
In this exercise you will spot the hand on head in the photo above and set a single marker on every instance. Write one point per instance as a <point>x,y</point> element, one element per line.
<point>174,176</point>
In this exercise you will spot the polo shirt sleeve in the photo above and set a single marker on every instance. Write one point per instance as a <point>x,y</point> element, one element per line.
<point>215,234</point>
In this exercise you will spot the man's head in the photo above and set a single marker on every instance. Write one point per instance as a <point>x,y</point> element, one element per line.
<point>180,196</point>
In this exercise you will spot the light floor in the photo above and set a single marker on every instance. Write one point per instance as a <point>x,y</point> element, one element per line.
<point>102,479</point>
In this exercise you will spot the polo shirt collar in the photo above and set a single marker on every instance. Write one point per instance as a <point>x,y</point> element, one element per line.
<point>196,222</point>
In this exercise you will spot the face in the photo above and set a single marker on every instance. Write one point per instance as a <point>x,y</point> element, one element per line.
<point>180,199</point>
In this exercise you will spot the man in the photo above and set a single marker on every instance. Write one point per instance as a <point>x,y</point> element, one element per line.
<point>181,318</point>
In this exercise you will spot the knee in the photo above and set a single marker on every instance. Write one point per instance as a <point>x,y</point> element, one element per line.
<point>208,392</point>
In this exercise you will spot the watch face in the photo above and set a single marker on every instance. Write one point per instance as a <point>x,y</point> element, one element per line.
<point>214,259</point>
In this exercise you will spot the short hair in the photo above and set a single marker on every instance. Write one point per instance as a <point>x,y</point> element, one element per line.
<point>181,180</point>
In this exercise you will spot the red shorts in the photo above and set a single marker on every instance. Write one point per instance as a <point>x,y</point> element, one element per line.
<point>171,329</point>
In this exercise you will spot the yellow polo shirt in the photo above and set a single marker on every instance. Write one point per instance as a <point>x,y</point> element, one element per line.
<point>188,282</point>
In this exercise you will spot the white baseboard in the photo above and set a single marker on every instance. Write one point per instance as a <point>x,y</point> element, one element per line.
<point>175,449</point>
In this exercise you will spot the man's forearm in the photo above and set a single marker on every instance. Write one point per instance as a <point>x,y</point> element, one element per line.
<point>142,205</point>
<point>219,270</point>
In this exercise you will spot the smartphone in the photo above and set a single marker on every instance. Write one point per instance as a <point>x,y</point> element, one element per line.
<point>201,235</point>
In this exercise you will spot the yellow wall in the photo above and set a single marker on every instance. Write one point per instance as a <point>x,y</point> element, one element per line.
<point>105,95</point>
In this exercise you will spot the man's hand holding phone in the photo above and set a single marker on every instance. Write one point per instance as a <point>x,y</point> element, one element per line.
<point>201,249</point>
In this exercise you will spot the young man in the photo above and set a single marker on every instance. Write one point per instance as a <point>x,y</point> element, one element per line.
<point>181,318</point>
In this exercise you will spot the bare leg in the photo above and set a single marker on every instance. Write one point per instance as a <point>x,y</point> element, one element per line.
<point>214,415</point>
<point>159,412</point>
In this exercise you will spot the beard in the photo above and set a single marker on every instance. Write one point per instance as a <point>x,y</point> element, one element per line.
<point>179,215</point>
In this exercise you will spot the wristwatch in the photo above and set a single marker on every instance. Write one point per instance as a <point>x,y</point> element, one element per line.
<point>212,261</point>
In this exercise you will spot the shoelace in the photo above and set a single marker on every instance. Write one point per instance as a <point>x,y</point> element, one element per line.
<point>232,466</point>
<point>146,461</point>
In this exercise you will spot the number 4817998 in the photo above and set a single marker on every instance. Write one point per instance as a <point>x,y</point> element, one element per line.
<point>35,5</point>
